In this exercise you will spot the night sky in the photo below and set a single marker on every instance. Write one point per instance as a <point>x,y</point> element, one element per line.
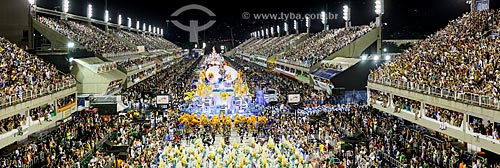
<point>405,19</point>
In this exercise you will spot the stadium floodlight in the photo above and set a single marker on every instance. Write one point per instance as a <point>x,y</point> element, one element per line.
<point>346,13</point>
<point>385,49</point>
<point>272,31</point>
<point>32,2</point>
<point>137,25</point>
<point>129,22</point>
<point>204,45</point>
<point>308,21</point>
<point>387,57</point>
<point>285,27</point>
<point>378,7</point>
<point>323,17</point>
<point>89,11</point>
<point>154,30</point>
<point>161,32</point>
<point>267,32</point>
<point>278,29</point>
<point>363,57</point>
<point>143,26</point>
<point>119,20</point>
<point>262,33</point>
<point>258,34</point>
<point>157,30</point>
<point>149,28</point>
<point>65,6</point>
<point>71,45</point>
<point>106,16</point>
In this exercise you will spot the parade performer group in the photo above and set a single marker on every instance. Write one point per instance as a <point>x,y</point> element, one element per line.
<point>269,154</point>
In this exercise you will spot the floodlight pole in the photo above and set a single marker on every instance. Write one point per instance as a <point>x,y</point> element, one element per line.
<point>31,16</point>
<point>379,9</point>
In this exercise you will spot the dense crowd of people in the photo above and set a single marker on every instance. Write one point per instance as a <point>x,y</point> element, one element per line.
<point>490,129</point>
<point>461,57</point>
<point>87,35</point>
<point>258,77</point>
<point>278,46</point>
<point>173,81</point>
<point>144,74</point>
<point>66,146</point>
<point>149,43</point>
<point>41,113</point>
<point>11,123</point>
<point>138,63</point>
<point>318,135</point>
<point>444,115</point>
<point>322,44</point>
<point>24,76</point>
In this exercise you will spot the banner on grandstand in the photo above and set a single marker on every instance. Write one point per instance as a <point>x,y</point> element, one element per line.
<point>162,99</point>
<point>293,98</point>
<point>141,49</point>
<point>482,5</point>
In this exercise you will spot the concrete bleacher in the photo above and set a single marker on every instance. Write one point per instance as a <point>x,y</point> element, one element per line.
<point>428,96</point>
<point>57,40</point>
<point>354,49</point>
<point>89,80</point>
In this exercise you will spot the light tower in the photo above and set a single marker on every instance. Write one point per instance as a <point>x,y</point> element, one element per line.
<point>31,16</point>
<point>89,12</point>
<point>106,18</point>
<point>138,26</point>
<point>323,19</point>
<point>379,10</point>
<point>65,8</point>
<point>347,15</point>
<point>119,21</point>
<point>286,28</point>
<point>296,25</point>
<point>278,30</point>
<point>308,23</point>
<point>129,23</point>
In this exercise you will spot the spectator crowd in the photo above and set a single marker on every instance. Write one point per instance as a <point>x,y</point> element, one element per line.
<point>150,43</point>
<point>87,35</point>
<point>323,44</point>
<point>24,76</point>
<point>463,57</point>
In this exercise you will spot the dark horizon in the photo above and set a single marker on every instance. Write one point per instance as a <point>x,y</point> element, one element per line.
<point>405,20</point>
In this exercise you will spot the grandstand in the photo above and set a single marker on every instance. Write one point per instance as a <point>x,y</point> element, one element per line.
<point>27,84</point>
<point>135,55</point>
<point>299,55</point>
<point>453,86</point>
<point>91,93</point>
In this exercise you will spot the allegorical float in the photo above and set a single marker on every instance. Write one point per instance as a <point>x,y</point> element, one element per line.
<point>219,89</point>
